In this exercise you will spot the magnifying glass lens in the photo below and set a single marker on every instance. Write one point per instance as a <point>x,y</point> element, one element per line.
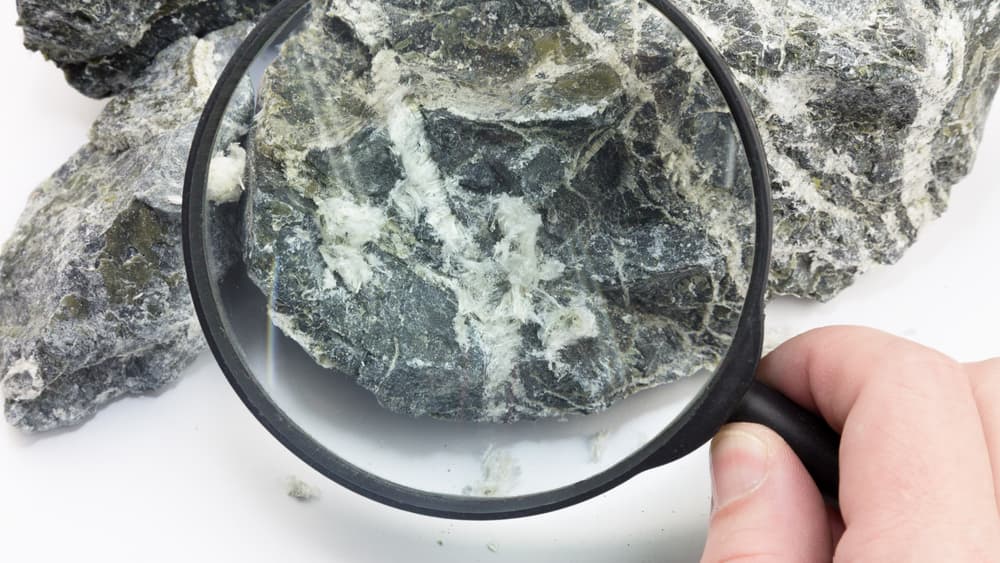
<point>479,250</point>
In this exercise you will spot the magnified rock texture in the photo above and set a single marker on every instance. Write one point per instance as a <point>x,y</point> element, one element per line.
<point>94,301</point>
<point>408,158</point>
<point>869,111</point>
<point>480,212</point>
<point>103,45</point>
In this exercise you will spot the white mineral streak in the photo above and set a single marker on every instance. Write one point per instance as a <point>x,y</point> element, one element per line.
<point>500,473</point>
<point>580,111</point>
<point>347,227</point>
<point>497,293</point>
<point>424,189</point>
<point>518,256</point>
<point>203,69</point>
<point>517,264</point>
<point>606,52</point>
<point>941,82</point>
<point>22,382</point>
<point>225,175</point>
<point>787,99</point>
<point>566,325</point>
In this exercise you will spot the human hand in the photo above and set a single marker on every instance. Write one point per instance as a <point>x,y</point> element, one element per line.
<point>919,458</point>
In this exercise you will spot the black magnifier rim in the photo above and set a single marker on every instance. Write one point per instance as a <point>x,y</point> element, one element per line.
<point>693,427</point>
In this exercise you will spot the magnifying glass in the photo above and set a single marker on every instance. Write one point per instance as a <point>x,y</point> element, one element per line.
<point>486,260</point>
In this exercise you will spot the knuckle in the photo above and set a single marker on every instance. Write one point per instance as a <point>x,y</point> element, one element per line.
<point>914,368</point>
<point>989,369</point>
<point>985,379</point>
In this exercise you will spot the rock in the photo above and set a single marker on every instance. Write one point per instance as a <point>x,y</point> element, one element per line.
<point>103,45</point>
<point>94,302</point>
<point>870,112</point>
<point>502,239</point>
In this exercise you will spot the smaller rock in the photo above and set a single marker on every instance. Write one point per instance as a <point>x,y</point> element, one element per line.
<point>94,302</point>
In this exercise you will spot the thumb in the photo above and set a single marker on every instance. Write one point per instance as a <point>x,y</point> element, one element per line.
<point>765,506</point>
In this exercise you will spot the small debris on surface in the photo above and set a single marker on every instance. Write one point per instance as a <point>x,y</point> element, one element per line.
<point>500,474</point>
<point>492,547</point>
<point>300,490</point>
<point>598,443</point>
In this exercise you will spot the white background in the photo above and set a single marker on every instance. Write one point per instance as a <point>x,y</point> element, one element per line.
<point>190,475</point>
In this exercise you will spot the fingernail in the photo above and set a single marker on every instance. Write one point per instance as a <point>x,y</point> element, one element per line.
<point>739,465</point>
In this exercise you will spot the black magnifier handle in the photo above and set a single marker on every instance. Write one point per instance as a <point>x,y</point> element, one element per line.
<point>809,436</point>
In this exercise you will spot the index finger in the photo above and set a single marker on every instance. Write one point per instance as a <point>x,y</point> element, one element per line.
<point>915,469</point>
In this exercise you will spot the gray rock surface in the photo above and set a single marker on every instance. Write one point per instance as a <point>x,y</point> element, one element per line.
<point>94,301</point>
<point>870,112</point>
<point>103,45</point>
<point>469,209</point>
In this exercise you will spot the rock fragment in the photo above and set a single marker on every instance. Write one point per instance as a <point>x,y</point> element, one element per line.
<point>104,45</point>
<point>94,302</point>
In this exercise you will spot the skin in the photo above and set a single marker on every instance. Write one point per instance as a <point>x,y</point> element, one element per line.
<point>919,458</point>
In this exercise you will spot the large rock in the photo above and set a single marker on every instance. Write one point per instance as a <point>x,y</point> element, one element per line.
<point>93,297</point>
<point>477,212</point>
<point>103,45</point>
<point>870,112</point>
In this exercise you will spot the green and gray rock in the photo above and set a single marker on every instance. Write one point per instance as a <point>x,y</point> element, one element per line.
<point>103,45</point>
<point>870,112</point>
<point>94,301</point>
<point>478,213</point>
<point>398,142</point>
